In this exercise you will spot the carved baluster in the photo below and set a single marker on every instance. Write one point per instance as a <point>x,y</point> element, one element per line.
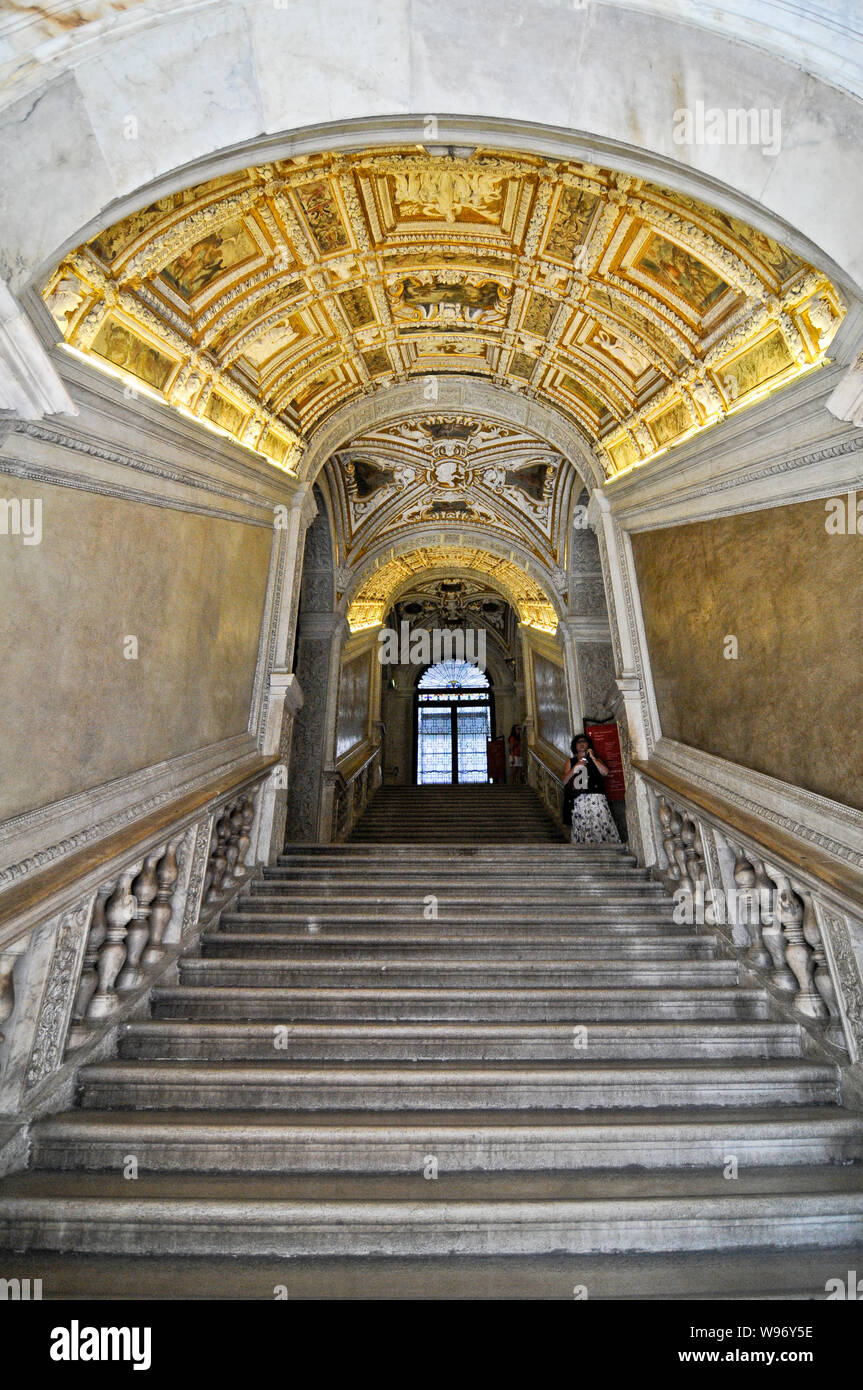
<point>162,909</point>
<point>670,821</point>
<point>771,931</point>
<point>119,909</point>
<point>797,952</point>
<point>692,862</point>
<point>233,847</point>
<point>749,905</point>
<point>144,888</point>
<point>247,816</point>
<point>823,980</point>
<point>89,978</point>
<point>747,914</point>
<point>219,858</point>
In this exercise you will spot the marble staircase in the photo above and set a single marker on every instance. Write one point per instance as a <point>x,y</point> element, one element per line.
<point>482,1067</point>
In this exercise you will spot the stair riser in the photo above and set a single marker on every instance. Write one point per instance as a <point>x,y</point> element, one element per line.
<point>341,875</point>
<point>377,886</point>
<point>352,858</point>
<point>454,1095</point>
<point>202,1049</point>
<point>529,974</point>
<point>218,945</point>
<point>464,901</point>
<point>364,1153</point>
<point>444,936</point>
<point>591,920</point>
<point>302,1007</point>
<point>482,1229</point>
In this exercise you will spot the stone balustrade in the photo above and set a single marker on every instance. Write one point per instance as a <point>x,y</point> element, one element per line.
<point>795,932</point>
<point>70,977</point>
<point>352,794</point>
<point>548,787</point>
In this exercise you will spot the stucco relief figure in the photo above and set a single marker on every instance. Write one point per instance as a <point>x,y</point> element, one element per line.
<point>67,296</point>
<point>628,356</point>
<point>448,194</point>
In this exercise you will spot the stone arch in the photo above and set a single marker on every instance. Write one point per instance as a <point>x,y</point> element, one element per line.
<point>70,168</point>
<point>461,394</point>
<point>519,578</point>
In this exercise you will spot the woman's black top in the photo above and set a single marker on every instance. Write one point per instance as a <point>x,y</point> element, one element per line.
<point>571,792</point>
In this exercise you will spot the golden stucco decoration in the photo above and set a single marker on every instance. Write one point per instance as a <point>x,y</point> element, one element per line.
<point>262,300</point>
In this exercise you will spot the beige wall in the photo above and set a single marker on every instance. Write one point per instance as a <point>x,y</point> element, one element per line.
<point>792,595</point>
<point>75,711</point>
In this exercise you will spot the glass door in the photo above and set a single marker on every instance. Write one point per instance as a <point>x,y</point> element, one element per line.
<point>434,744</point>
<point>473,730</point>
<point>452,741</point>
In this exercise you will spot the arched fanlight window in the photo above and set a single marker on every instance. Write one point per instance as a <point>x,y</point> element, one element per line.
<point>453,675</point>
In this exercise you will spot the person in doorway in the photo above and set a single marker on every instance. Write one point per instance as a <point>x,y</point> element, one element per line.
<point>516,761</point>
<point>585,806</point>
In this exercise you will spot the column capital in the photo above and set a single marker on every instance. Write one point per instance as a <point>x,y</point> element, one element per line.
<point>578,627</point>
<point>284,685</point>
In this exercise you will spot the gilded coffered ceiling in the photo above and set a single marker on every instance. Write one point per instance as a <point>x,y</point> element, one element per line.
<point>263,300</point>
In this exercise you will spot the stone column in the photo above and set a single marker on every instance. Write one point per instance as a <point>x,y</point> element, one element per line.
<point>281,696</point>
<point>285,700</point>
<point>336,628</point>
<point>309,800</point>
<point>638,719</point>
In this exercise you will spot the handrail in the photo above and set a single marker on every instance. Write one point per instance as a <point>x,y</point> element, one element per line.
<point>344,781</point>
<point>545,767</point>
<point>47,891</point>
<point>797,856</point>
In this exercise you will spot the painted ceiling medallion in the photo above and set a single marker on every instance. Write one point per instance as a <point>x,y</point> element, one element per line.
<point>262,300</point>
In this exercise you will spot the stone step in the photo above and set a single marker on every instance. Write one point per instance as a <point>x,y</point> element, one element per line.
<point>396,951</point>
<point>452,1085</point>
<point>458,896</point>
<point>460,1141</point>
<point>565,855</point>
<point>512,837</point>
<point>754,1275</point>
<point>311,934</point>
<point>470,876</point>
<point>199,1041</point>
<point>432,973</point>
<point>514,1213</point>
<point>572,1006</point>
<point>591,914</point>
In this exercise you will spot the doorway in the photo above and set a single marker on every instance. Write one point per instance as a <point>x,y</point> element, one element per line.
<point>454,721</point>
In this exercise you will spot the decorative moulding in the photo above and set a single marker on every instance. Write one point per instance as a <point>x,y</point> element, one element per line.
<point>786,450</point>
<point>42,836</point>
<point>835,829</point>
<point>30,387</point>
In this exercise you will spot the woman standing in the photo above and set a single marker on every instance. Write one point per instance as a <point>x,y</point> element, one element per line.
<point>585,805</point>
